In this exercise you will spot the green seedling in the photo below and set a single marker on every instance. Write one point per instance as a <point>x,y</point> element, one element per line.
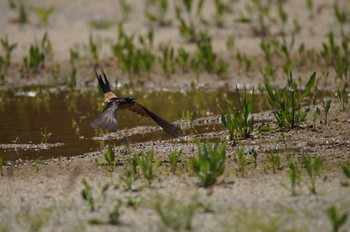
<point>8,49</point>
<point>147,166</point>
<point>346,172</point>
<point>337,220</point>
<point>313,167</point>
<point>37,55</point>
<point>337,56</point>
<point>183,60</point>
<point>44,14</point>
<point>189,116</point>
<point>45,135</point>
<point>23,11</point>
<point>1,165</point>
<point>309,5</point>
<point>341,16</point>
<point>326,106</point>
<point>241,160</point>
<point>133,202</point>
<point>174,159</point>
<point>176,214</point>
<point>286,104</point>
<point>87,195</point>
<point>240,122</point>
<point>209,165</point>
<point>156,11</point>
<point>244,60</point>
<point>294,175</point>
<point>274,161</point>
<point>167,59</point>
<point>258,16</point>
<point>94,48</point>
<point>131,58</point>
<point>114,215</point>
<point>125,9</point>
<point>255,158</point>
<point>283,16</point>
<point>74,57</point>
<point>230,43</point>
<point>130,173</point>
<point>110,158</point>
<point>220,8</point>
<point>343,96</point>
<point>101,24</point>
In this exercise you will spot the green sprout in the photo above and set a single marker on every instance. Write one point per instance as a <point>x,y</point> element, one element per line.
<point>240,122</point>
<point>274,160</point>
<point>174,159</point>
<point>87,195</point>
<point>286,104</point>
<point>313,168</point>
<point>337,220</point>
<point>44,14</point>
<point>326,106</point>
<point>147,166</point>
<point>156,11</point>
<point>175,214</point>
<point>294,175</point>
<point>8,49</point>
<point>110,158</point>
<point>241,160</point>
<point>209,165</point>
<point>343,96</point>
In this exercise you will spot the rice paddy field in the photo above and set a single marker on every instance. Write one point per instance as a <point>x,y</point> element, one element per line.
<point>259,88</point>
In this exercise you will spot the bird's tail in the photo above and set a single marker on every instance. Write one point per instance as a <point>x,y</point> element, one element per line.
<point>104,84</point>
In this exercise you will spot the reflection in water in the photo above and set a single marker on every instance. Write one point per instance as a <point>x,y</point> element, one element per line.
<point>63,117</point>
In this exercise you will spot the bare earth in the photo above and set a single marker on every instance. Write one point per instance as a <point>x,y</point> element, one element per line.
<point>47,196</point>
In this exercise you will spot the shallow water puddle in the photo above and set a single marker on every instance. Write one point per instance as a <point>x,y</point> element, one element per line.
<point>49,123</point>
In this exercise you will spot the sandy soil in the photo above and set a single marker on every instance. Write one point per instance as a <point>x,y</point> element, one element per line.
<point>47,196</point>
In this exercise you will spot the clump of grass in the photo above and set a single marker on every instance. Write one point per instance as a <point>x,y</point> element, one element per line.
<point>313,167</point>
<point>110,158</point>
<point>337,220</point>
<point>156,11</point>
<point>125,8</point>
<point>274,161</point>
<point>1,165</point>
<point>8,48</point>
<point>88,195</point>
<point>241,160</point>
<point>174,159</point>
<point>114,215</point>
<point>209,165</point>
<point>343,96</point>
<point>133,59</point>
<point>45,135</point>
<point>44,14</point>
<point>22,9</point>
<point>326,106</point>
<point>286,104</point>
<point>189,116</point>
<point>175,214</point>
<point>294,175</point>
<point>38,53</point>
<point>101,24</point>
<point>240,122</point>
<point>147,166</point>
<point>346,172</point>
<point>188,25</point>
<point>167,59</point>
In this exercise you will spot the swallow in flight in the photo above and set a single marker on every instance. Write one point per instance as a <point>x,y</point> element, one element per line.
<point>107,120</point>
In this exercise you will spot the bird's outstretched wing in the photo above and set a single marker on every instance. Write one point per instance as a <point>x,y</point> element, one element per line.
<point>135,107</point>
<point>107,120</point>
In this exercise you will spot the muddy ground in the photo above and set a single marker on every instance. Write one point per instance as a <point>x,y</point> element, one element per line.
<point>47,195</point>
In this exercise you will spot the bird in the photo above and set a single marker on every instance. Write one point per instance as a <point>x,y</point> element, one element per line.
<point>107,120</point>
